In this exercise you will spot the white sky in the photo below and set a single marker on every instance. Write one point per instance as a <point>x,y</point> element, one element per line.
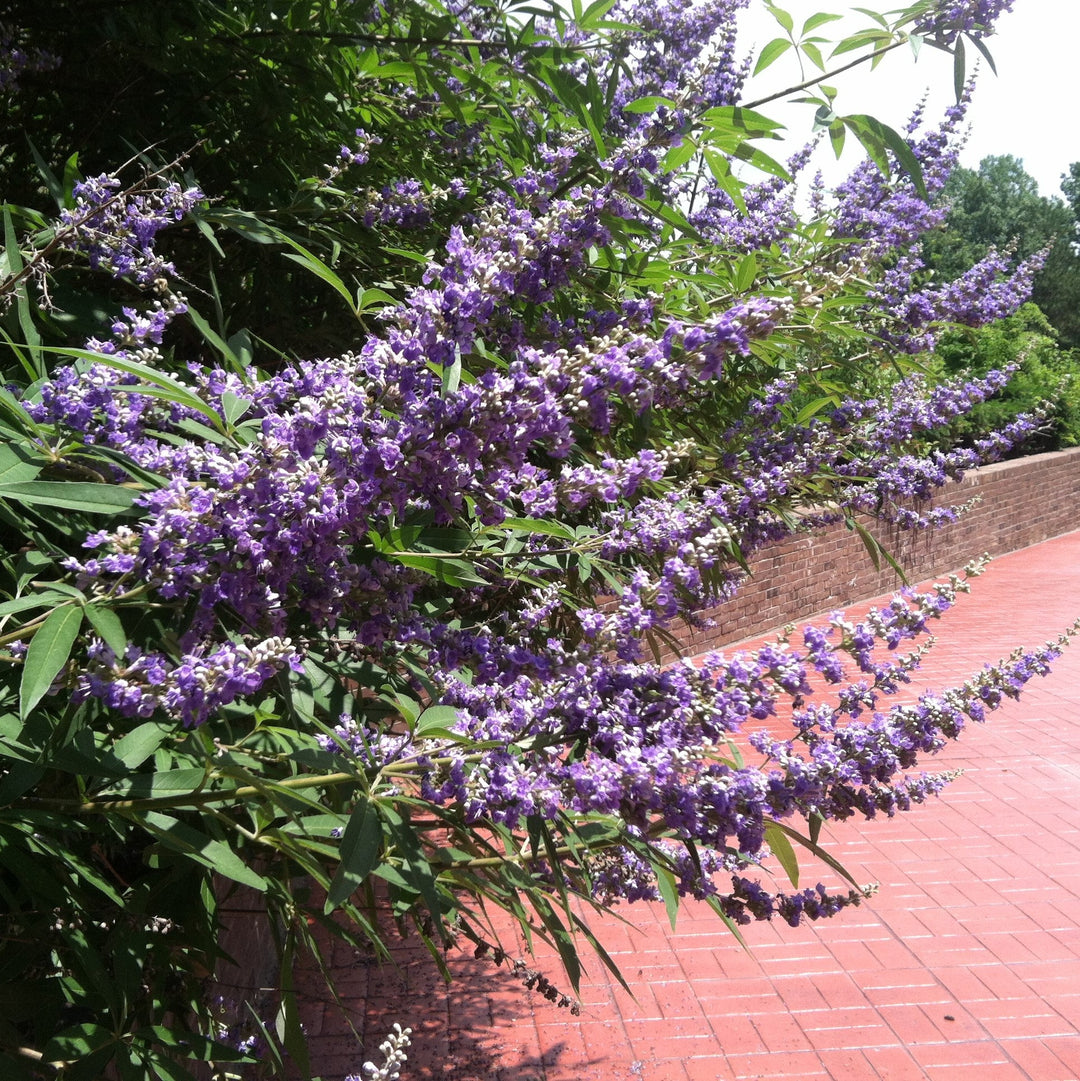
<point>1031,109</point>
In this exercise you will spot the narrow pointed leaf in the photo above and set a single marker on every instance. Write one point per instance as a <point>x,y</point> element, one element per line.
<point>71,495</point>
<point>771,53</point>
<point>359,853</point>
<point>784,853</point>
<point>48,653</point>
<point>109,628</point>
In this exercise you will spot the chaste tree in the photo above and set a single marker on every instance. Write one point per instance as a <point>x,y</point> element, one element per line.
<point>383,382</point>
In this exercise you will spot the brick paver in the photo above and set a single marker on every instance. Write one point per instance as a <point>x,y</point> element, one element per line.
<point>964,967</point>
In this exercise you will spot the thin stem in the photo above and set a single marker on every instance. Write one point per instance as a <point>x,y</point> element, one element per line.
<point>191,799</point>
<point>419,40</point>
<point>823,76</point>
<point>28,630</point>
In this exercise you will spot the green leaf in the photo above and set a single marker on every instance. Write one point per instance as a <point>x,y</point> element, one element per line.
<point>781,16</point>
<point>17,414</point>
<point>745,123</point>
<point>771,53</point>
<point>71,495</point>
<point>167,1070</point>
<point>746,272</point>
<point>820,19</point>
<point>175,390</point>
<point>601,952</point>
<point>52,182</point>
<point>17,465</point>
<point>217,341</point>
<point>875,15</point>
<point>811,409</point>
<point>814,53</point>
<point>665,883</point>
<point>211,853</point>
<point>451,375</point>
<point>837,136</point>
<point>404,253</point>
<point>533,525</point>
<point>164,782</point>
<point>35,600</point>
<point>76,1042</point>
<point>824,116</point>
<point>817,850</point>
<point>374,298</point>
<point>233,406</point>
<point>289,1029</point>
<point>17,778</point>
<point>451,572</point>
<point>107,623</point>
<point>720,168</point>
<point>139,744</point>
<point>47,654</point>
<point>760,160</point>
<point>594,13</point>
<point>777,840</point>
<point>35,368</point>
<point>981,46</point>
<point>436,717</point>
<point>359,853</point>
<point>876,138</point>
<point>873,39</point>
<point>562,938</point>
<point>314,265</point>
<point>194,1046</point>
<point>680,154</point>
<point>648,104</point>
<point>959,68</point>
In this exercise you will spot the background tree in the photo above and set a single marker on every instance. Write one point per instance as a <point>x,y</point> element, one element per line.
<point>999,206</point>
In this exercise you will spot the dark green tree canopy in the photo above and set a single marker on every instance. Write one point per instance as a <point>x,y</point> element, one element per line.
<point>999,205</point>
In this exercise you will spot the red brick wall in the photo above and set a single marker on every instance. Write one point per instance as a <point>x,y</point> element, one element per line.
<point>1020,503</point>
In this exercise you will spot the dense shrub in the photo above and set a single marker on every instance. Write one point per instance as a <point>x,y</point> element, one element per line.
<point>314,479</point>
<point>1047,377</point>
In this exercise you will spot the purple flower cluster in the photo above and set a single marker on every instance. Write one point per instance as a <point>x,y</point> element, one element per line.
<point>192,689</point>
<point>885,213</point>
<point>975,18</point>
<point>406,204</point>
<point>652,742</point>
<point>683,50</point>
<point>767,217</point>
<point>359,153</point>
<point>749,900</point>
<point>116,229</point>
<point>17,60</point>
<point>990,290</point>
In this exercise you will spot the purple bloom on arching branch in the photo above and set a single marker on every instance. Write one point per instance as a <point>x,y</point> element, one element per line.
<point>116,229</point>
<point>952,18</point>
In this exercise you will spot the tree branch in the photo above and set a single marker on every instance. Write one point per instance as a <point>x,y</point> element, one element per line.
<point>824,75</point>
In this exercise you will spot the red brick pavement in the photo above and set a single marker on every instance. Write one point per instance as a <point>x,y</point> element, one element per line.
<point>964,967</point>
